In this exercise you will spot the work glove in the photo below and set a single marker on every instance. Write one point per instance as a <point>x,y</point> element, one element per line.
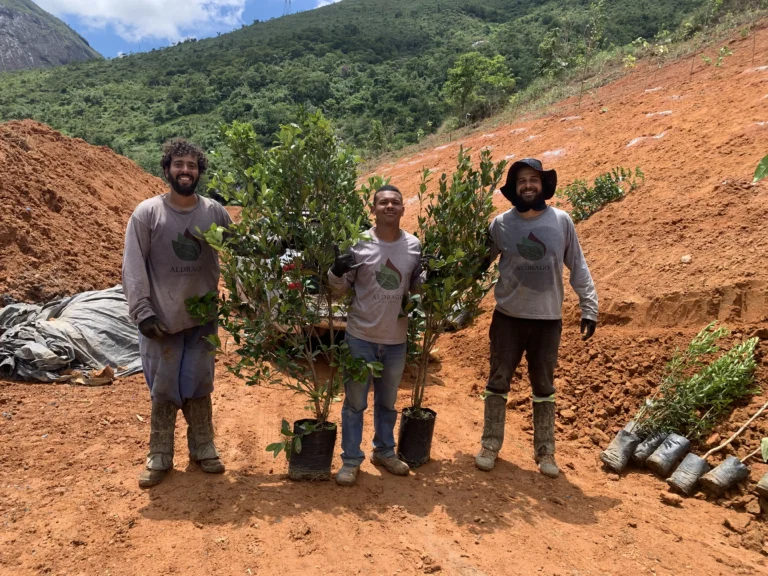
<point>343,263</point>
<point>152,328</point>
<point>587,328</point>
<point>426,266</point>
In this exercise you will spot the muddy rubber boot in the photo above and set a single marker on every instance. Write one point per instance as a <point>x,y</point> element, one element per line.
<point>493,432</point>
<point>544,438</point>
<point>392,464</point>
<point>198,412</point>
<point>160,458</point>
<point>347,475</point>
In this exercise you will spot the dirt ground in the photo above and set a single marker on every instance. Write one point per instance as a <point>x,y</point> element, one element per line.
<point>69,456</point>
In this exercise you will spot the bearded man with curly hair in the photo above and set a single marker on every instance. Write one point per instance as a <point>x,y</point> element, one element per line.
<point>166,261</point>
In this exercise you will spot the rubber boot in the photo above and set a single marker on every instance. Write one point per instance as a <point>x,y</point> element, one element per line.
<point>544,438</point>
<point>162,425</point>
<point>198,412</point>
<point>493,431</point>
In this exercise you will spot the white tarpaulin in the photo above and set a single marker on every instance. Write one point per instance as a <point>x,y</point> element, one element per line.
<point>87,339</point>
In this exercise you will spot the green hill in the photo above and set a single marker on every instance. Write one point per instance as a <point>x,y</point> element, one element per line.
<point>358,60</point>
<point>32,38</point>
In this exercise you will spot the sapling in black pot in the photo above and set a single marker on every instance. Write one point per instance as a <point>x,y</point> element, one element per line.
<point>452,227</point>
<point>299,199</point>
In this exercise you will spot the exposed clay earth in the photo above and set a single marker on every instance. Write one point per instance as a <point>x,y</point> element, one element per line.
<point>64,205</point>
<point>69,501</point>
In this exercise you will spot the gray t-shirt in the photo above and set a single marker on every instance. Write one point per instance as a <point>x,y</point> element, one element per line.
<point>533,251</point>
<point>166,260</point>
<point>389,271</point>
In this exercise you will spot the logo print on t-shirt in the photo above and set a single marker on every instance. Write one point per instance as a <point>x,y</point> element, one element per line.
<point>187,247</point>
<point>388,276</point>
<point>532,248</point>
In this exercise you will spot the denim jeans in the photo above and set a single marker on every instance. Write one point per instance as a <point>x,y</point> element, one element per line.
<point>392,356</point>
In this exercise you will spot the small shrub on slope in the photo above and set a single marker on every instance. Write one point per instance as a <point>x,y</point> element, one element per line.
<point>608,187</point>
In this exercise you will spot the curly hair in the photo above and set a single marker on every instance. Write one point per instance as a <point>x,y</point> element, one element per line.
<point>180,147</point>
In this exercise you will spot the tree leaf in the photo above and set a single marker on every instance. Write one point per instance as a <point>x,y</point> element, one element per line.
<point>762,170</point>
<point>297,444</point>
<point>764,449</point>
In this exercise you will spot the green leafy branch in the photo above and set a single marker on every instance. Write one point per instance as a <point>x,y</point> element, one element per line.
<point>694,394</point>
<point>608,187</point>
<point>452,227</point>
<point>299,198</point>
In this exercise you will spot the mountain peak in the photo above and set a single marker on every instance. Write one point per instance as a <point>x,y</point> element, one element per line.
<point>30,37</point>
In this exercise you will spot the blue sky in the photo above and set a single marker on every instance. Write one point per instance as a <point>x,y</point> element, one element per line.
<point>113,27</point>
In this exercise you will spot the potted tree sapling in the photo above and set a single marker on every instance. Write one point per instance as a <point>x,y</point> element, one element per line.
<point>452,227</point>
<point>299,199</point>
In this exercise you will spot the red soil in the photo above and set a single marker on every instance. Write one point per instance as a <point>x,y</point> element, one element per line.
<point>64,205</point>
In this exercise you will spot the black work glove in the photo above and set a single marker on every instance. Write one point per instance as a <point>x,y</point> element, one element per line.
<point>152,328</point>
<point>426,267</point>
<point>343,263</point>
<point>587,328</point>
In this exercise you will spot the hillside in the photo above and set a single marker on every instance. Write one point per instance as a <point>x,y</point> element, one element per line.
<point>358,60</point>
<point>30,38</point>
<point>697,200</point>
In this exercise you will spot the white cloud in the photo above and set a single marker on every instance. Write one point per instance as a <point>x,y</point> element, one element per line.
<point>321,3</point>
<point>135,20</point>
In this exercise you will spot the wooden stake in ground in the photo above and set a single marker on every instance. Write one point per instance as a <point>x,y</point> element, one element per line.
<point>739,431</point>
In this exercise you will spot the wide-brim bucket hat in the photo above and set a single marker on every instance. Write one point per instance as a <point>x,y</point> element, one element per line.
<point>548,178</point>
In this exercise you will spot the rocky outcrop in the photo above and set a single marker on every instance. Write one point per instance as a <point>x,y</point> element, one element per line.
<point>32,38</point>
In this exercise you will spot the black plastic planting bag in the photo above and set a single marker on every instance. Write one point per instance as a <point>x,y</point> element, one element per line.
<point>762,486</point>
<point>686,477</point>
<point>414,443</point>
<point>316,456</point>
<point>668,455</point>
<point>647,447</point>
<point>619,451</point>
<point>729,472</point>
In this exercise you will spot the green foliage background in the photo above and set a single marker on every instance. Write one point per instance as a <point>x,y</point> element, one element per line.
<point>377,68</point>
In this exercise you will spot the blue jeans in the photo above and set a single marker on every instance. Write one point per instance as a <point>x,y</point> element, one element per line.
<point>392,356</point>
<point>179,366</point>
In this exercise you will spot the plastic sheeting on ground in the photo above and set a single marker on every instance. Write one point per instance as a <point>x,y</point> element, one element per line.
<point>86,339</point>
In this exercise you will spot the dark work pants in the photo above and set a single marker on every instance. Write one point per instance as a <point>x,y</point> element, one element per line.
<point>539,339</point>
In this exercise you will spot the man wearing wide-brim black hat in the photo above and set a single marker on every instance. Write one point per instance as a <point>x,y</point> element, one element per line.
<point>534,241</point>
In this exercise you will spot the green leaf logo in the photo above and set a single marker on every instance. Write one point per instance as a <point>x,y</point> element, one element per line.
<point>532,248</point>
<point>389,277</point>
<point>187,247</point>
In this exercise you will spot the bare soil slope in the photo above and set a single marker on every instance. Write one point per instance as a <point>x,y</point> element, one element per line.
<point>698,140</point>
<point>64,205</point>
<point>69,456</point>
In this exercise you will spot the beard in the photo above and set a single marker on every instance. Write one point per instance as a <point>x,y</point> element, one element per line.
<point>538,203</point>
<point>182,189</point>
